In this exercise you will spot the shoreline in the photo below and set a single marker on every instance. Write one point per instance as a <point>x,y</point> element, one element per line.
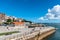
<point>43,35</point>
<point>37,34</point>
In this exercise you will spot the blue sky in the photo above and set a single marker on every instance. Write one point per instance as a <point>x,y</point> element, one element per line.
<point>27,9</point>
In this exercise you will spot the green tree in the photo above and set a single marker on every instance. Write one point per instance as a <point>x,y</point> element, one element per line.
<point>9,21</point>
<point>26,21</point>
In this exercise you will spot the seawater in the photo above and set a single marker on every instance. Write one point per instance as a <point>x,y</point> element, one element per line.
<point>56,35</point>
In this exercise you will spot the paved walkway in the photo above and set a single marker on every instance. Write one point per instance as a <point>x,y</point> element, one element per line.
<point>25,33</point>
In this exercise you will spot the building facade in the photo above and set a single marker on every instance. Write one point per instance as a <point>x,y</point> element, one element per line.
<point>2,17</point>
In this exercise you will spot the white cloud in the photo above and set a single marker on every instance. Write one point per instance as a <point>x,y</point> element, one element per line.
<point>42,18</point>
<point>53,14</point>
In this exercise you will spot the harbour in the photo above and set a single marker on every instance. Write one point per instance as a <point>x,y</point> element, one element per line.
<point>20,29</point>
<point>29,19</point>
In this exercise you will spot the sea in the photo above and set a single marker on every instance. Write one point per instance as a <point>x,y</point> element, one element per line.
<point>56,35</point>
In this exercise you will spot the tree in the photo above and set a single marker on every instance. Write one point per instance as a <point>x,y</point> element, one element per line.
<point>9,21</point>
<point>13,19</point>
<point>26,21</point>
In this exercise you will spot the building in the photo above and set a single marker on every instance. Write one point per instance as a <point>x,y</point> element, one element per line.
<point>2,18</point>
<point>36,25</point>
<point>20,24</point>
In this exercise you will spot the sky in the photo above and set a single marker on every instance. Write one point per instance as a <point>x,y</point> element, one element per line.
<point>34,10</point>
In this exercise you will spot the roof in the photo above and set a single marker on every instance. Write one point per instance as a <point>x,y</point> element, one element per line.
<point>18,23</point>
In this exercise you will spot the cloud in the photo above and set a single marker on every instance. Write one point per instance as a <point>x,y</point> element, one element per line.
<point>53,14</point>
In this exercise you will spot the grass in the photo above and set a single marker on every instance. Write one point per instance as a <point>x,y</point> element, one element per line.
<point>8,33</point>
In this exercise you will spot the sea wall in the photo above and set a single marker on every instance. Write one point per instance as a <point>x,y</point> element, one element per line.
<point>43,35</point>
<point>37,34</point>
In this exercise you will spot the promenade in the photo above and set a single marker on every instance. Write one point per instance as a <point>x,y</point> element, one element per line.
<point>37,33</point>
